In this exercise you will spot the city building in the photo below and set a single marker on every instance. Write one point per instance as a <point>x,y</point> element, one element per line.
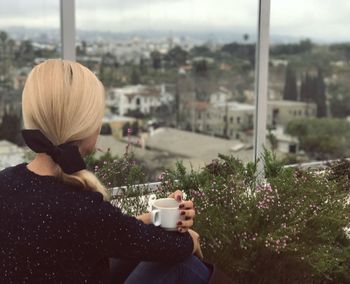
<point>283,143</point>
<point>115,124</point>
<point>229,119</point>
<point>144,99</point>
<point>281,112</point>
<point>195,114</point>
<point>234,120</point>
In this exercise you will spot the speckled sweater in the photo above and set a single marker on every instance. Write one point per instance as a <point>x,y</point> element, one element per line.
<point>51,233</point>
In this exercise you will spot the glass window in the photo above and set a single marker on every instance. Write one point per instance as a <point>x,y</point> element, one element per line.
<point>188,57</point>
<point>29,34</point>
<point>309,78</point>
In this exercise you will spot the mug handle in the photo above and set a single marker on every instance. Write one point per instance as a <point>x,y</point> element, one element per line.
<point>155,217</point>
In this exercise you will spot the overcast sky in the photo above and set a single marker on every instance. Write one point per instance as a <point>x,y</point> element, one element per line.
<point>317,19</point>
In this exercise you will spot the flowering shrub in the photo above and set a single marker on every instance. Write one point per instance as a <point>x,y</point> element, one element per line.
<point>117,171</point>
<point>122,172</point>
<point>285,228</point>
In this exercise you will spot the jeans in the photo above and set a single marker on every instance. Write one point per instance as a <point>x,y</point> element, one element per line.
<point>189,271</point>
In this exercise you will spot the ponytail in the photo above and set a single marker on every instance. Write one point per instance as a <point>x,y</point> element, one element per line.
<point>86,180</point>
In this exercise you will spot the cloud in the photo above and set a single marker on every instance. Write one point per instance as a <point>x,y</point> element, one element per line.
<point>326,19</point>
<point>33,13</point>
<point>170,15</point>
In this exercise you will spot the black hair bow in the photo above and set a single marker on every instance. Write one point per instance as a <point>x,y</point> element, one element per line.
<point>66,155</point>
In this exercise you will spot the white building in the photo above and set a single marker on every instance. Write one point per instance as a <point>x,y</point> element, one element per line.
<point>138,97</point>
<point>230,119</point>
<point>281,112</point>
<point>220,97</point>
<point>285,143</point>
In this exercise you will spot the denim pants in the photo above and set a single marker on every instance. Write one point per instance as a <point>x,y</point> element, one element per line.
<point>189,271</point>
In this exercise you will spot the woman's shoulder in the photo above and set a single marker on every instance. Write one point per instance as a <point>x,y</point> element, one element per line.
<point>12,175</point>
<point>18,179</point>
<point>10,171</point>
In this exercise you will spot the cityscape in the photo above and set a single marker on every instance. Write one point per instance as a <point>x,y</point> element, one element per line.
<point>186,98</point>
<point>176,93</point>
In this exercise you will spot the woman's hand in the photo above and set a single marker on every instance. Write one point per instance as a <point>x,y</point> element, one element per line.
<point>187,212</point>
<point>145,218</point>
<point>196,244</point>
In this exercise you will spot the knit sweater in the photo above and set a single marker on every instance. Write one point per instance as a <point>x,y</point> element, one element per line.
<point>51,232</point>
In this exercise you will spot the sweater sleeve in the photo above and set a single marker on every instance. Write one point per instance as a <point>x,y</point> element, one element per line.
<point>123,236</point>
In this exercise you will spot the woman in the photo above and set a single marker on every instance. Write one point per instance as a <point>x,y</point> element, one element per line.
<point>56,225</point>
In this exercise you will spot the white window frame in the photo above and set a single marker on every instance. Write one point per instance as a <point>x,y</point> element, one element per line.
<point>67,21</point>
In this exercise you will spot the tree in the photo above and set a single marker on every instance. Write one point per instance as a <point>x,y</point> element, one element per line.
<point>143,66</point>
<point>242,51</point>
<point>339,101</point>
<point>200,68</point>
<point>272,139</point>
<point>10,128</point>
<point>156,57</point>
<point>306,88</point>
<point>81,49</point>
<point>26,52</point>
<point>135,128</point>
<point>136,113</point>
<point>304,46</point>
<point>314,89</point>
<point>126,128</point>
<point>106,129</point>
<point>322,138</point>
<point>3,36</point>
<point>135,77</point>
<point>347,53</point>
<point>108,69</point>
<point>201,50</point>
<point>290,86</point>
<point>320,94</point>
<point>6,60</point>
<point>176,56</point>
<point>245,37</point>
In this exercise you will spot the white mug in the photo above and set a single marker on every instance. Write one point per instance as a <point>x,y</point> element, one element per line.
<point>166,213</point>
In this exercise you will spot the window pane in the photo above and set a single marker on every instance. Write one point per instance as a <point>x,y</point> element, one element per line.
<point>179,74</point>
<point>309,90</point>
<point>29,33</point>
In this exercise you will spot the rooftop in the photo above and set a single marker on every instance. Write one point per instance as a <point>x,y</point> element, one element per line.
<point>288,103</point>
<point>113,117</point>
<point>140,90</point>
<point>168,145</point>
<point>198,148</point>
<point>235,106</point>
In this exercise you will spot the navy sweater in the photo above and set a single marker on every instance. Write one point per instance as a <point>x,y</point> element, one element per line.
<point>53,233</point>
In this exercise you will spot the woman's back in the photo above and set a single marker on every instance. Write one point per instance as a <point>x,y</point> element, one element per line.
<point>56,225</point>
<point>46,233</point>
<point>51,233</point>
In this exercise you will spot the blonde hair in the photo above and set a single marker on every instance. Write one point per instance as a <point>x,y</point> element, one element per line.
<point>65,101</point>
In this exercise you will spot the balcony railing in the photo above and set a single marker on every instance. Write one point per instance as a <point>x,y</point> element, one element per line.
<point>152,187</point>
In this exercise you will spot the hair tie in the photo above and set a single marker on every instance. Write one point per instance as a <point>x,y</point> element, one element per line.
<point>66,155</point>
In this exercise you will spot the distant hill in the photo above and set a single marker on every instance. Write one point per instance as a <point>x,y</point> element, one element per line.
<point>220,36</point>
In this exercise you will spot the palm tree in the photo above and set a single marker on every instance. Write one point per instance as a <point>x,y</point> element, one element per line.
<point>245,37</point>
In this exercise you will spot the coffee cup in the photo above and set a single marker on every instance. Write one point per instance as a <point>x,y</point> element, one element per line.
<point>165,213</point>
